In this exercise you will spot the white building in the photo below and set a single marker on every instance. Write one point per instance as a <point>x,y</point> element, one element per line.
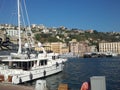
<point>11,32</point>
<point>110,47</point>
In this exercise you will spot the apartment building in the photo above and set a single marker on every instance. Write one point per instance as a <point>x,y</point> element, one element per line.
<point>6,26</point>
<point>11,32</point>
<point>74,47</point>
<point>79,48</point>
<point>56,47</point>
<point>113,47</point>
<point>2,34</point>
<point>59,47</point>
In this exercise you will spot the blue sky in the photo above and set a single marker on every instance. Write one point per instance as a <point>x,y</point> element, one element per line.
<point>100,15</point>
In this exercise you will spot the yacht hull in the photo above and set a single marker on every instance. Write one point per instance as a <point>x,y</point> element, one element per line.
<point>25,76</point>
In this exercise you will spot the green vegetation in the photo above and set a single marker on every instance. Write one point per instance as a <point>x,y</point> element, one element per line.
<point>67,35</point>
<point>46,38</point>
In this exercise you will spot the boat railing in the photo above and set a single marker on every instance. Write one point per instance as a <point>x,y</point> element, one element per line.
<point>12,72</point>
<point>4,57</point>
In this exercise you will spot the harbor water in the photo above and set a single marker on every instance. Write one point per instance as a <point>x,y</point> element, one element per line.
<point>79,70</point>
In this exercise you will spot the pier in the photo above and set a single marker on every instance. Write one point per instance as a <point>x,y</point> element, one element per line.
<point>14,87</point>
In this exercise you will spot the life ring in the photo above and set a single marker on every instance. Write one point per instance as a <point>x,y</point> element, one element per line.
<point>85,86</point>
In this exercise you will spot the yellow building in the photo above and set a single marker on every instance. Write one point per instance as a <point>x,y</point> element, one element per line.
<point>110,47</point>
<point>47,47</point>
<point>65,50</point>
<point>59,47</point>
<point>56,47</point>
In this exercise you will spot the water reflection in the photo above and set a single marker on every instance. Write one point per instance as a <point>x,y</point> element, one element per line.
<point>54,81</point>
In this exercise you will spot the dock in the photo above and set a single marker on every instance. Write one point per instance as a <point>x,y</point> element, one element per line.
<point>96,83</point>
<point>14,87</point>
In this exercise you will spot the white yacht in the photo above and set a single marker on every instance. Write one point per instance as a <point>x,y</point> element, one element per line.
<point>28,65</point>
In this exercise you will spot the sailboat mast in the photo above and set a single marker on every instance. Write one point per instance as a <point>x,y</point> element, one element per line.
<point>18,4</point>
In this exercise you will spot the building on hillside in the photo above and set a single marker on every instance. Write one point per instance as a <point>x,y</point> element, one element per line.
<point>90,31</point>
<point>6,26</point>
<point>41,26</point>
<point>1,26</point>
<point>113,47</point>
<point>74,47</point>
<point>33,25</point>
<point>93,48</point>
<point>45,45</point>
<point>12,32</point>
<point>45,30</point>
<point>13,35</point>
<point>2,34</point>
<point>79,48</point>
<point>59,47</point>
<point>56,47</point>
<point>84,48</point>
<point>65,49</point>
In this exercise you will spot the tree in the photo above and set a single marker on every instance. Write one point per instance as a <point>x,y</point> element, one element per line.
<point>37,37</point>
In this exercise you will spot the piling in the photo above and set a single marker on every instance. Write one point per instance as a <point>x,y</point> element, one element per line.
<point>40,85</point>
<point>63,87</point>
<point>98,83</point>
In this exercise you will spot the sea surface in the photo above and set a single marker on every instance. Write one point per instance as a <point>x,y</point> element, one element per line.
<point>79,70</point>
